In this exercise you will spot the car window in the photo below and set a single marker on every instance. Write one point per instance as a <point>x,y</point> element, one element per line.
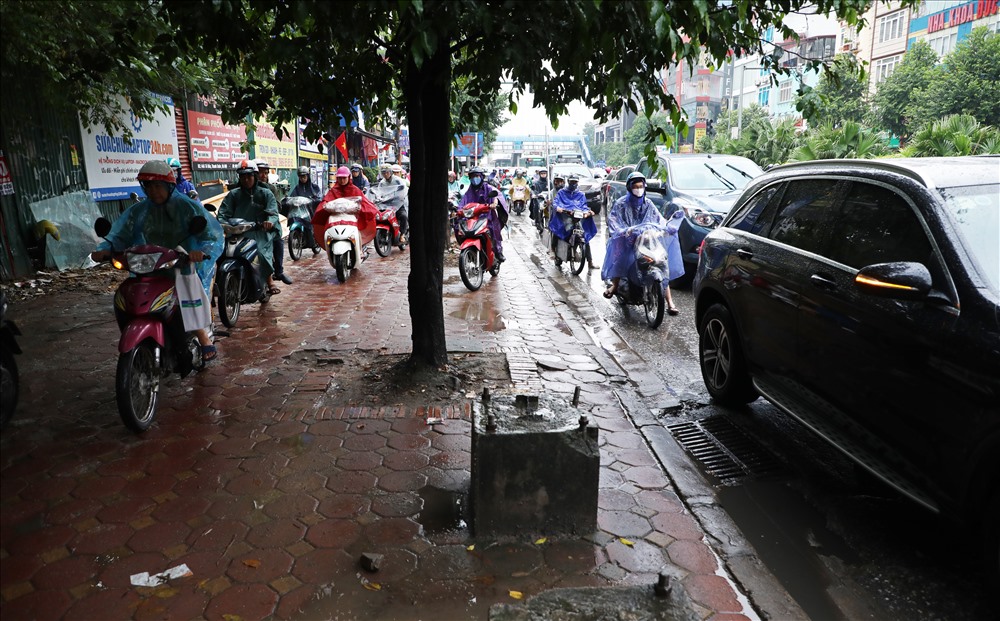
<point>624,173</point>
<point>755,216</point>
<point>644,168</point>
<point>806,217</point>
<point>877,225</point>
<point>976,211</point>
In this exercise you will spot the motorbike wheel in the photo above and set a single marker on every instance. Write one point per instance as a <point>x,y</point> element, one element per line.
<point>577,257</point>
<point>8,385</point>
<point>343,267</point>
<point>295,242</point>
<point>383,245</point>
<point>470,266</point>
<point>652,301</point>
<point>230,295</point>
<point>518,207</point>
<point>137,385</point>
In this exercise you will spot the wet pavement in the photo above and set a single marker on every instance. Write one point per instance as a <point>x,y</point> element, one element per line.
<point>269,493</point>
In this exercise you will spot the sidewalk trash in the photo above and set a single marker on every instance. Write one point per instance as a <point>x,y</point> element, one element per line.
<point>371,561</point>
<point>146,580</point>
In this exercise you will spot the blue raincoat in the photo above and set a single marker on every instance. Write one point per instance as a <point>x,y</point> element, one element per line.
<point>576,201</point>
<point>167,225</point>
<point>632,212</point>
<point>497,219</point>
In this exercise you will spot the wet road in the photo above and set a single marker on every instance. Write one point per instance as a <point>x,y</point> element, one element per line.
<point>843,545</point>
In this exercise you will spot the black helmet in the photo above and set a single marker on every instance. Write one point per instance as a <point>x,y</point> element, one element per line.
<point>477,170</point>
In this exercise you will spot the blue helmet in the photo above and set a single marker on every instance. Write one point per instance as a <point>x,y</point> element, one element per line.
<point>636,176</point>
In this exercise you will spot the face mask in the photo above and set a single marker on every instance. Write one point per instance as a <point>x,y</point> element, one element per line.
<point>638,192</point>
<point>572,186</point>
<point>476,180</point>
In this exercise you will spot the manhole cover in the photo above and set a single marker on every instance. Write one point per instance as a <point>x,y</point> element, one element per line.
<point>724,451</point>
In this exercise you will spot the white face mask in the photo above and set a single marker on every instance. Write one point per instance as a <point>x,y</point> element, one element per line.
<point>638,192</point>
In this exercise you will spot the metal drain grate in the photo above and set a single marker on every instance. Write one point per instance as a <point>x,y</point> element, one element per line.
<point>724,451</point>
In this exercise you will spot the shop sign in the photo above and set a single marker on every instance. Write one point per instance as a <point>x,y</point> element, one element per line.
<point>972,11</point>
<point>213,144</point>
<point>277,153</point>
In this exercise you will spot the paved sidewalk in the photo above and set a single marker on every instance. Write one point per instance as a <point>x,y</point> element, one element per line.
<point>269,493</point>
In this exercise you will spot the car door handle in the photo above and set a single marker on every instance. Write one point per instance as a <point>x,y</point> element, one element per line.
<point>743,253</point>
<point>822,282</point>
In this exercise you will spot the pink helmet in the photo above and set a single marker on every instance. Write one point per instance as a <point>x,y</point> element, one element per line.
<point>343,171</point>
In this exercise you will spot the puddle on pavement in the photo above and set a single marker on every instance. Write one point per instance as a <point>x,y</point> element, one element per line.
<point>478,310</point>
<point>300,443</point>
<point>788,536</point>
<point>443,510</point>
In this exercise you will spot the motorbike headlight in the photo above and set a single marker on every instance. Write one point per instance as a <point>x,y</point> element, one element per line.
<point>143,263</point>
<point>468,212</point>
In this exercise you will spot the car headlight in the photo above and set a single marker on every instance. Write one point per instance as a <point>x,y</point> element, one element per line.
<point>706,220</point>
<point>143,263</point>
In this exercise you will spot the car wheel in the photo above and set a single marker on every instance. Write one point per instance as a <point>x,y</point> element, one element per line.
<point>720,353</point>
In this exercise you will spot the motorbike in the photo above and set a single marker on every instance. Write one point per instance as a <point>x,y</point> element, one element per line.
<point>347,246</point>
<point>574,247</point>
<point>476,256</point>
<point>387,233</point>
<point>519,195</point>
<point>648,276</point>
<point>153,341</point>
<point>9,379</point>
<point>298,211</point>
<point>237,279</point>
<point>542,212</point>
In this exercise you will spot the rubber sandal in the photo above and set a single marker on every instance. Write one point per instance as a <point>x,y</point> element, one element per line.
<point>673,311</point>
<point>208,353</point>
<point>273,290</point>
<point>610,292</point>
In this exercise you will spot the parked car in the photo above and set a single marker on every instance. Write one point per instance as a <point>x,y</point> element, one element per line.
<point>589,185</point>
<point>863,299</point>
<point>704,186</point>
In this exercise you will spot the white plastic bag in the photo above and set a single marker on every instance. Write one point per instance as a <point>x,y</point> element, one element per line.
<point>195,305</point>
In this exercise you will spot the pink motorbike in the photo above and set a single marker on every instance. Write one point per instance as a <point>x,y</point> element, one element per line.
<point>153,342</point>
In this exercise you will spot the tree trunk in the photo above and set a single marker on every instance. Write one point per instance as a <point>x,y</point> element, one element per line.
<point>426,90</point>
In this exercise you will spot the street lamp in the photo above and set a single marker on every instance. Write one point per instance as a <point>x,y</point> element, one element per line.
<point>739,115</point>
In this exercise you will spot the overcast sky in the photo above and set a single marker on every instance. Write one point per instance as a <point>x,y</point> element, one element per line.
<point>532,121</point>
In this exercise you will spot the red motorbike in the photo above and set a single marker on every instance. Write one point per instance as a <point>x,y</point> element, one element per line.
<point>387,232</point>
<point>476,256</point>
<point>153,342</point>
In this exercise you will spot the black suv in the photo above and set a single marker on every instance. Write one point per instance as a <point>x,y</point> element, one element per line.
<point>863,299</point>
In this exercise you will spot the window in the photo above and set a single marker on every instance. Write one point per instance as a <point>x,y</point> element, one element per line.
<point>756,215</point>
<point>785,93</point>
<point>806,219</point>
<point>943,44</point>
<point>876,225</point>
<point>884,67</point>
<point>763,95</point>
<point>890,27</point>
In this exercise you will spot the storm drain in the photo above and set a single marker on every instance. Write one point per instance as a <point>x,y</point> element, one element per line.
<point>724,451</point>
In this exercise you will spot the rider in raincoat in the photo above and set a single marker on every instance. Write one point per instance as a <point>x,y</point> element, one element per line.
<point>163,219</point>
<point>253,203</point>
<point>571,198</point>
<point>629,213</point>
<point>343,187</point>
<point>478,192</point>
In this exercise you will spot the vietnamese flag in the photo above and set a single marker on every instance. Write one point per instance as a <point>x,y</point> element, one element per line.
<point>341,143</point>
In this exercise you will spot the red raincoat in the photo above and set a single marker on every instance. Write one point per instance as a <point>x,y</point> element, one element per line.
<point>366,217</point>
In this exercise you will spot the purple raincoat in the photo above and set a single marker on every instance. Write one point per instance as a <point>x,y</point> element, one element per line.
<point>497,219</point>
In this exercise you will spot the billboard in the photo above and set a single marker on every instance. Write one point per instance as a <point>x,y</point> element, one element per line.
<point>112,163</point>
<point>469,145</point>
<point>277,153</point>
<point>213,144</point>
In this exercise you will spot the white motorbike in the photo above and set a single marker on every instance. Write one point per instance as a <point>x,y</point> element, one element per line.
<point>346,245</point>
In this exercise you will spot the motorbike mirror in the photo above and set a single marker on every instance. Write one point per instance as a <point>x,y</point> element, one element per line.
<point>209,207</point>
<point>492,194</point>
<point>102,227</point>
<point>197,225</point>
<point>193,194</point>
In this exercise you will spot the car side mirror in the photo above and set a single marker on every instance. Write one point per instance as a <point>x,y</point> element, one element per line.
<point>903,280</point>
<point>102,227</point>
<point>197,225</point>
